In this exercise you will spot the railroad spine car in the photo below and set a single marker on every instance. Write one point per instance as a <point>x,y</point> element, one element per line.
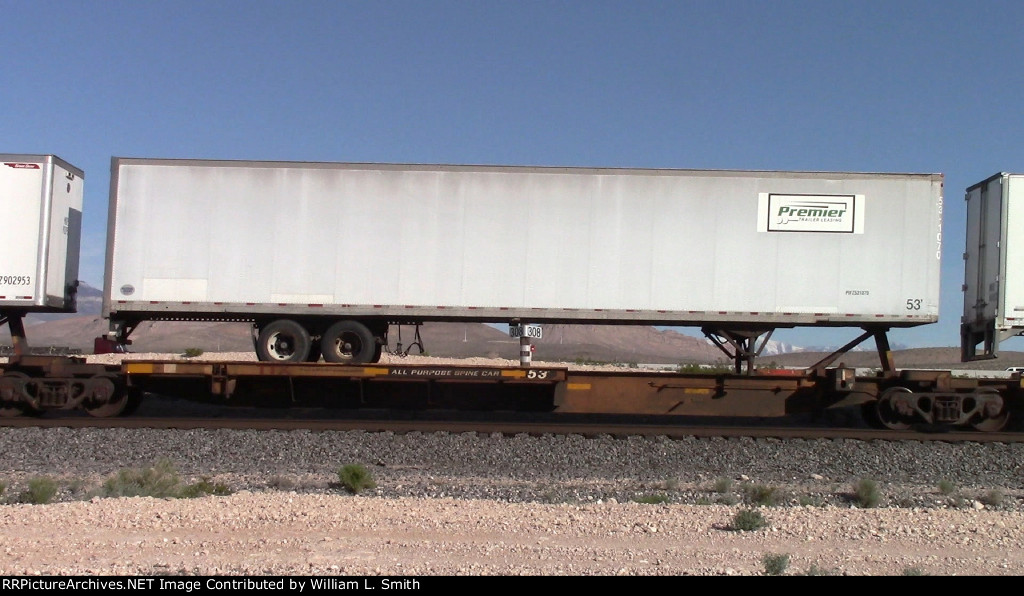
<point>323,257</point>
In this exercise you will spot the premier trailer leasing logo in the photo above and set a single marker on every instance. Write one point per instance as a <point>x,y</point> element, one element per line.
<point>811,213</point>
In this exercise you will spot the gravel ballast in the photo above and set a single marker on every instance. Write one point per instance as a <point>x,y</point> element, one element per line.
<point>486,504</point>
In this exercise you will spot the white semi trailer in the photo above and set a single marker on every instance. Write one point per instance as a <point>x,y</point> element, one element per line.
<point>323,257</point>
<point>993,266</point>
<point>41,202</point>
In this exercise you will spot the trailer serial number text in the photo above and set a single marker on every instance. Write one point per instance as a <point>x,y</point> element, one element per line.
<point>15,280</point>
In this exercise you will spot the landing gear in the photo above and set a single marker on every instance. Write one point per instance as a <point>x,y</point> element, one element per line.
<point>741,345</point>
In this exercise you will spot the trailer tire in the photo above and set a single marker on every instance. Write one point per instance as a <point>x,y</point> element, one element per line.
<point>283,340</point>
<point>349,342</point>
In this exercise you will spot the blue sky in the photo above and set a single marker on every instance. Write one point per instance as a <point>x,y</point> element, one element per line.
<point>866,85</point>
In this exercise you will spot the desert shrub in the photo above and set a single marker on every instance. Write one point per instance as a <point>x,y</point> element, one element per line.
<point>78,487</point>
<point>992,498</point>
<point>913,571</point>
<point>202,488</point>
<point>728,499</point>
<point>192,352</point>
<point>866,493</point>
<point>946,487</point>
<point>41,490</point>
<point>748,520</point>
<point>723,485</point>
<point>775,563</point>
<point>159,481</point>
<point>810,501</point>
<point>356,478</point>
<point>759,494</point>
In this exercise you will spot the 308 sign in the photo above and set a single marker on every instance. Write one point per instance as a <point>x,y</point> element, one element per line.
<point>531,331</point>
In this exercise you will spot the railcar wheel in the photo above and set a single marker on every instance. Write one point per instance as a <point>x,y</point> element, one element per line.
<point>8,410</point>
<point>108,398</point>
<point>10,404</point>
<point>996,416</point>
<point>349,342</point>
<point>283,340</point>
<point>993,424</point>
<point>887,409</point>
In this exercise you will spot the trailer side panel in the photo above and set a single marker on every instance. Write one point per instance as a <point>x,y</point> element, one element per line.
<point>208,239</point>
